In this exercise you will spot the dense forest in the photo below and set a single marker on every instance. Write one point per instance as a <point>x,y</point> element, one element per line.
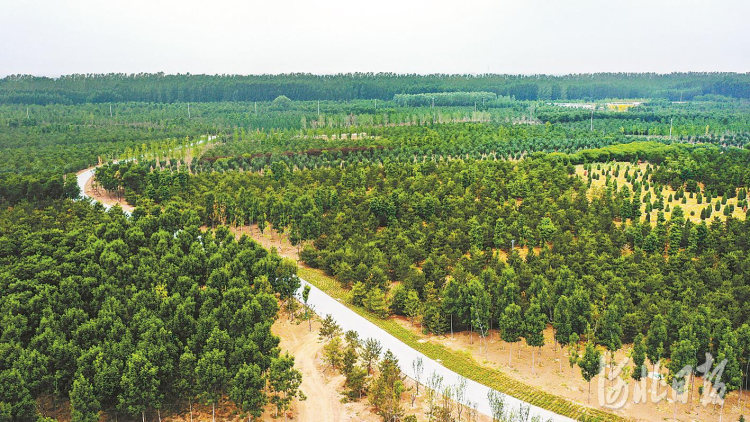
<point>162,88</point>
<point>136,315</point>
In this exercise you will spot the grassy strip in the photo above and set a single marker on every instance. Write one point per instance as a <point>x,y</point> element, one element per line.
<point>462,363</point>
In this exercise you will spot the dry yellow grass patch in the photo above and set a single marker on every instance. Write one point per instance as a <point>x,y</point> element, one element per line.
<point>691,206</point>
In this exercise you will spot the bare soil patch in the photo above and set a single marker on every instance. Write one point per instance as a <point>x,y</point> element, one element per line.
<point>269,239</point>
<point>322,387</point>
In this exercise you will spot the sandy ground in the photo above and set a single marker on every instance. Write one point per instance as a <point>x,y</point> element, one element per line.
<point>321,387</point>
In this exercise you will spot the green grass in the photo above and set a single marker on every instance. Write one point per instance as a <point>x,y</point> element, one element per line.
<point>462,363</point>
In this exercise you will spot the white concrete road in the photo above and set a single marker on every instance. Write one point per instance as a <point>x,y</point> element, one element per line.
<point>349,320</point>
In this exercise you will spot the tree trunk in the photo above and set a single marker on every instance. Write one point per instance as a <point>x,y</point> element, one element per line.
<point>158,412</point>
<point>213,411</point>
<point>191,411</point>
<point>554,339</point>
<point>143,416</point>
<point>532,363</point>
<point>451,325</point>
<point>742,384</point>
<point>745,383</point>
<point>690,393</point>
<point>589,392</point>
<point>510,354</point>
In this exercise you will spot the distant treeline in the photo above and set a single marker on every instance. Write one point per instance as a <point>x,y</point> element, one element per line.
<point>162,88</point>
<point>444,98</point>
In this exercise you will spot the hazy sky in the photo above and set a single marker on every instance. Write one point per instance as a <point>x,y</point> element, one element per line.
<point>53,37</point>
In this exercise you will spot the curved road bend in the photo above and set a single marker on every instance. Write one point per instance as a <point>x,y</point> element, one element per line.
<point>84,176</point>
<point>350,320</point>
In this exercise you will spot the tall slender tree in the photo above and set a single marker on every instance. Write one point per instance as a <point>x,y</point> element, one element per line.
<point>84,406</point>
<point>248,390</point>
<point>534,325</point>
<point>511,324</point>
<point>590,364</point>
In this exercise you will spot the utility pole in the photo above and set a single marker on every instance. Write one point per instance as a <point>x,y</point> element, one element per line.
<point>27,113</point>
<point>592,117</point>
<point>376,104</point>
<point>110,111</point>
<point>319,109</point>
<point>188,111</point>
<point>670,127</point>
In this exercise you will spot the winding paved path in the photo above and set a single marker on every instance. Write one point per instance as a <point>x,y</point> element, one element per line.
<point>350,320</point>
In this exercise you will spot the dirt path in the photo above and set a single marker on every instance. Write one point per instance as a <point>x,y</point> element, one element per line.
<point>321,387</point>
